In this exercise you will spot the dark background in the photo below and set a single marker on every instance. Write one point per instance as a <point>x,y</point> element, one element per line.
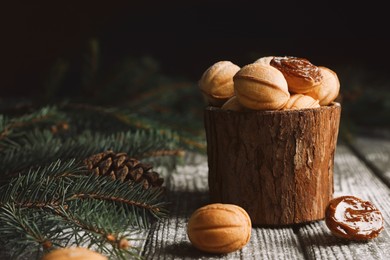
<point>186,37</point>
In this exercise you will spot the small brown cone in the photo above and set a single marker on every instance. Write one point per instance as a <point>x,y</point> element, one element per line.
<point>119,166</point>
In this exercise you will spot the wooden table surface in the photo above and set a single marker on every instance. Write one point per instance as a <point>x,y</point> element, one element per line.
<point>362,169</point>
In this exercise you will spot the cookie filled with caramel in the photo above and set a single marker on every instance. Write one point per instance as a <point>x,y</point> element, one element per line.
<point>352,218</point>
<point>301,75</point>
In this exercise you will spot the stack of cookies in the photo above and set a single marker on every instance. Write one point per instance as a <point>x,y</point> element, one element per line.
<point>270,83</point>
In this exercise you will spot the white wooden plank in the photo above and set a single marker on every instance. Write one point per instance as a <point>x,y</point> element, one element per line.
<point>352,177</point>
<point>377,154</point>
<point>188,187</point>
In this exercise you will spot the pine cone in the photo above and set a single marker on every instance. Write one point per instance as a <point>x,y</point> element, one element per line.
<point>119,166</point>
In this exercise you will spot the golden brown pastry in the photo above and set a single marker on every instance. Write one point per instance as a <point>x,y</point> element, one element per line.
<point>301,75</point>
<point>261,87</point>
<point>219,228</point>
<point>299,101</point>
<point>73,253</point>
<point>233,104</point>
<point>265,60</point>
<point>216,82</point>
<point>329,88</point>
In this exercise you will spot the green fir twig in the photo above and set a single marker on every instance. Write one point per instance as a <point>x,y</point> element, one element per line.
<point>13,127</point>
<point>59,205</point>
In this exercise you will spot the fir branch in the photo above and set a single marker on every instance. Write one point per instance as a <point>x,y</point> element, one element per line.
<point>9,127</point>
<point>132,197</point>
<point>157,95</point>
<point>57,183</point>
<point>41,185</point>
<point>25,231</point>
<point>98,220</point>
<point>41,147</point>
<point>185,128</point>
<point>104,117</point>
<point>175,152</point>
<point>62,197</point>
<point>131,203</point>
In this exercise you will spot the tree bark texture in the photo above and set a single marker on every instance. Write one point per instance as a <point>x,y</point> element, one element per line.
<point>277,165</point>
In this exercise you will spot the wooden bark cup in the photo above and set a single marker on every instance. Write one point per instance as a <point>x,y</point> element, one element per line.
<point>277,165</point>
